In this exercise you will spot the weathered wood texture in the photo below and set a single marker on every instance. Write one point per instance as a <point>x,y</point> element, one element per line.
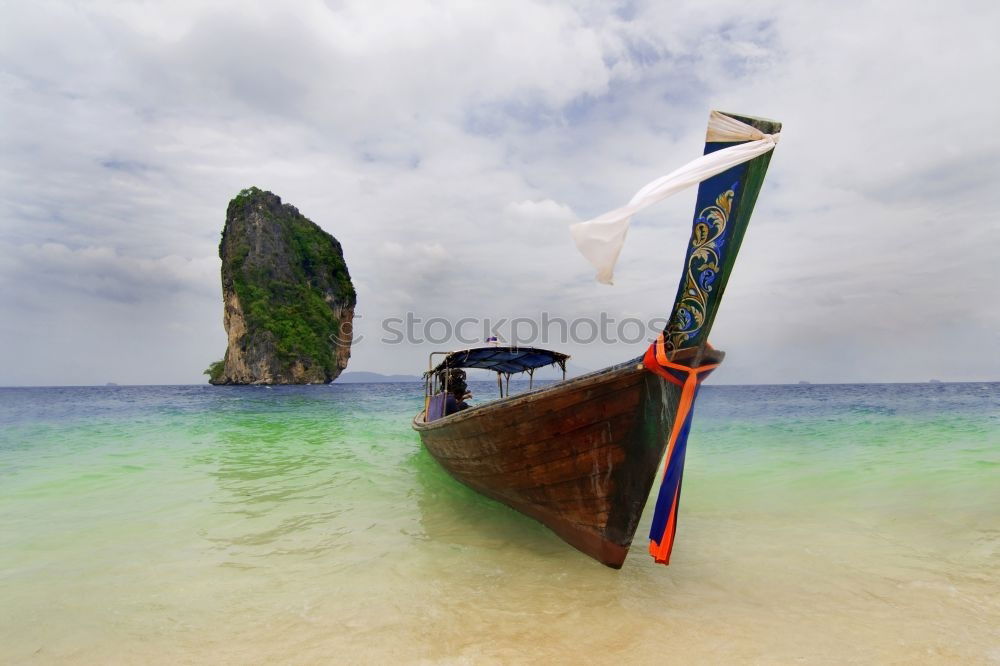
<point>580,456</point>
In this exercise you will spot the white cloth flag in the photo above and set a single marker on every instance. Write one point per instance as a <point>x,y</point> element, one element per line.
<point>600,240</point>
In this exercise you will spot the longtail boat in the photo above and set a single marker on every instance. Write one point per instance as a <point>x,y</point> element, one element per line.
<point>581,455</point>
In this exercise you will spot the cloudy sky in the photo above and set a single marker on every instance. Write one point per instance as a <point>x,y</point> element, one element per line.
<point>448,145</point>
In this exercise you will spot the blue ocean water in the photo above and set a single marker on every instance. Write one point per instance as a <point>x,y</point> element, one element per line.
<point>236,524</point>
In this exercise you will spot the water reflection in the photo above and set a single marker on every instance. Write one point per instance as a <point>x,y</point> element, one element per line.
<point>453,514</point>
<point>284,470</point>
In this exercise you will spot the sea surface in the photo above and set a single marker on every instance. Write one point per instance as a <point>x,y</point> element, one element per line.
<point>194,524</point>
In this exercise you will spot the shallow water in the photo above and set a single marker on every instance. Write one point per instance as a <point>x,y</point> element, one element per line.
<point>305,524</point>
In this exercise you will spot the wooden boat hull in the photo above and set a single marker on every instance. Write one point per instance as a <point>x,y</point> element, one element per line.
<point>580,456</point>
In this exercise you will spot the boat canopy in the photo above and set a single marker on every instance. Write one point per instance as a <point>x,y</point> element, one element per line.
<point>502,360</point>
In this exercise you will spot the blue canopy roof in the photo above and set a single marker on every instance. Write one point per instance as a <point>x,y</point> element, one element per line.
<point>507,360</point>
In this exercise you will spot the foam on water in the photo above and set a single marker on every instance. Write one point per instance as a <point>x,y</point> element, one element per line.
<point>301,524</point>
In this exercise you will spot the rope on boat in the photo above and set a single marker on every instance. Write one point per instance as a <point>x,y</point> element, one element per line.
<point>664,527</point>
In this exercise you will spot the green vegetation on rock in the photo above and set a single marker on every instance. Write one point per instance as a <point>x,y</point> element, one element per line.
<point>214,371</point>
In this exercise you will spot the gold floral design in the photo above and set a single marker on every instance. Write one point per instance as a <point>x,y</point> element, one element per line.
<point>703,263</point>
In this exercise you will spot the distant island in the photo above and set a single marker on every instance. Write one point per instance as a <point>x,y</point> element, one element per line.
<point>287,294</point>
<point>362,377</point>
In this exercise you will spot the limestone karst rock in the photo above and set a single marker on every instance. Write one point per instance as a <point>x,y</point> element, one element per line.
<point>289,302</point>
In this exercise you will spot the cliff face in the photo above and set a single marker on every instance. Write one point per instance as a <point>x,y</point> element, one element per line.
<point>288,297</point>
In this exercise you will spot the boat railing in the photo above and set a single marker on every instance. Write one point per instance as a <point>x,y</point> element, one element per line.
<point>437,376</point>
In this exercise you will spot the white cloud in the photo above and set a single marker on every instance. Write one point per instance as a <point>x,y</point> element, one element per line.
<point>104,273</point>
<point>545,211</point>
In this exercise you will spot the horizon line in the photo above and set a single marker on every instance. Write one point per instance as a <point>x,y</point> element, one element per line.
<point>418,381</point>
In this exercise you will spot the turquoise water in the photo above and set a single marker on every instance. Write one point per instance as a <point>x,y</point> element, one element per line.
<point>306,524</point>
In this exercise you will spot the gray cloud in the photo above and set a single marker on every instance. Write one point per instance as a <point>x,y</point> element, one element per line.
<point>447,147</point>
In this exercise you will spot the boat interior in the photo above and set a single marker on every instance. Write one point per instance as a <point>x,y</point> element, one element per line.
<point>445,383</point>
